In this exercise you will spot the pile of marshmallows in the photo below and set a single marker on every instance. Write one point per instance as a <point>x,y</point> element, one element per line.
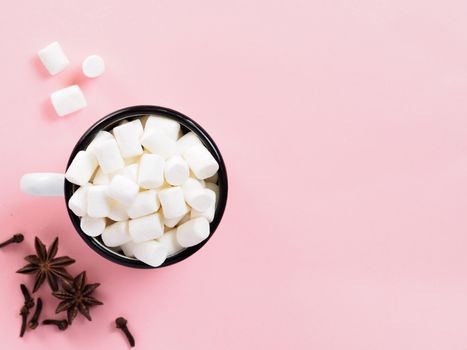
<point>69,99</point>
<point>144,189</point>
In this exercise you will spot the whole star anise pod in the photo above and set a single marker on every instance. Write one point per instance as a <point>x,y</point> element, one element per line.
<point>76,296</point>
<point>46,266</point>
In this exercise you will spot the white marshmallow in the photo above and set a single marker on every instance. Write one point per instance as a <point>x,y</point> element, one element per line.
<point>53,58</point>
<point>171,223</point>
<point>68,100</point>
<point>81,168</point>
<point>145,203</point>
<point>122,189</point>
<point>208,213</point>
<point>108,156</point>
<point>152,253</point>
<point>116,234</point>
<point>132,160</point>
<point>215,188</point>
<point>117,211</point>
<point>193,232</point>
<point>201,161</point>
<point>213,179</point>
<point>145,228</point>
<point>43,184</point>
<point>187,141</point>
<point>151,171</point>
<point>176,170</point>
<point>100,137</point>
<point>129,171</point>
<point>93,227</point>
<point>98,202</point>
<point>78,201</point>
<point>169,240</point>
<point>172,202</point>
<point>157,142</point>
<point>169,126</point>
<point>93,66</point>
<point>100,178</point>
<point>129,249</point>
<point>197,196</point>
<point>127,136</point>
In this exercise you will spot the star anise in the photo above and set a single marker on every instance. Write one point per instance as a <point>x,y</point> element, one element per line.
<point>76,296</point>
<point>46,266</point>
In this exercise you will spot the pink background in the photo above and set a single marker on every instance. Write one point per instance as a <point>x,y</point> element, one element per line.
<point>343,124</point>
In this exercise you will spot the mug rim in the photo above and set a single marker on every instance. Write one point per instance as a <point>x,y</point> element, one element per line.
<point>139,111</point>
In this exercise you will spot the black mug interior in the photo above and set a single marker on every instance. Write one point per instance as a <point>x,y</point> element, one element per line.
<point>187,124</point>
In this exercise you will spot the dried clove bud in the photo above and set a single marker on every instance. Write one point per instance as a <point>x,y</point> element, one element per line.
<point>121,323</point>
<point>28,300</point>
<point>34,321</point>
<point>24,319</point>
<point>17,238</point>
<point>61,324</point>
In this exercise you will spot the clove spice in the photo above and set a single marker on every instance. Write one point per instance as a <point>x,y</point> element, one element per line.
<point>28,299</point>
<point>34,321</point>
<point>61,324</point>
<point>17,238</point>
<point>24,312</point>
<point>121,323</point>
<point>24,319</point>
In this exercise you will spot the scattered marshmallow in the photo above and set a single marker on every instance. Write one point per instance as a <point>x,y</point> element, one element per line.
<point>108,156</point>
<point>193,232</point>
<point>68,100</point>
<point>172,202</point>
<point>157,142</point>
<point>176,170</point>
<point>81,168</point>
<point>78,202</point>
<point>201,161</point>
<point>127,136</point>
<point>93,227</point>
<point>197,196</point>
<point>98,203</point>
<point>122,189</point>
<point>43,184</point>
<point>116,234</point>
<point>169,240</point>
<point>187,141</point>
<point>145,203</point>
<point>152,253</point>
<point>53,58</point>
<point>151,171</point>
<point>169,126</point>
<point>93,66</point>
<point>145,228</point>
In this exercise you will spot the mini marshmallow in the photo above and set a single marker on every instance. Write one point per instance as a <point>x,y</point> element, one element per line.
<point>215,188</point>
<point>117,211</point>
<point>81,168</point>
<point>176,170</point>
<point>100,137</point>
<point>171,223</point>
<point>169,240</point>
<point>157,142</point>
<point>187,141</point>
<point>193,232</point>
<point>145,228</point>
<point>172,202</point>
<point>208,213</point>
<point>145,203</point>
<point>108,156</point>
<point>169,126</point>
<point>68,100</point>
<point>93,227</point>
<point>122,189</point>
<point>100,178</point>
<point>129,171</point>
<point>116,234</point>
<point>53,58</point>
<point>129,249</point>
<point>152,253</point>
<point>98,202</point>
<point>197,196</point>
<point>151,171</point>
<point>78,201</point>
<point>93,66</point>
<point>201,161</point>
<point>132,160</point>
<point>127,136</point>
